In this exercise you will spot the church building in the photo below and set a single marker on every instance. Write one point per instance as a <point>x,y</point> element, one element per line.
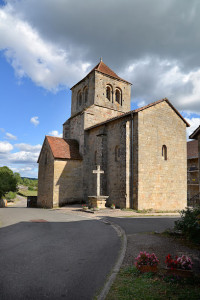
<point>142,152</point>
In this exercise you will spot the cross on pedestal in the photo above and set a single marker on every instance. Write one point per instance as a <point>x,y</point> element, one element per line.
<point>98,172</point>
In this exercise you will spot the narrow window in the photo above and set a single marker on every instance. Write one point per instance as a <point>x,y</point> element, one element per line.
<point>164,152</point>
<point>108,93</point>
<point>118,96</point>
<point>85,95</point>
<point>79,100</point>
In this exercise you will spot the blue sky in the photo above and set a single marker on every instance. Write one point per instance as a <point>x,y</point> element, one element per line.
<point>47,46</point>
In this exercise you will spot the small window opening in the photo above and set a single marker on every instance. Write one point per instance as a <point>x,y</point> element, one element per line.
<point>118,96</point>
<point>108,93</point>
<point>164,152</point>
<point>79,98</point>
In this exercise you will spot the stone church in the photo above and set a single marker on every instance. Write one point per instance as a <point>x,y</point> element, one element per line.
<point>142,152</point>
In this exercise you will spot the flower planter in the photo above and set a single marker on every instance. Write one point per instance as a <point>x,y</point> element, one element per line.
<point>146,268</point>
<point>179,272</point>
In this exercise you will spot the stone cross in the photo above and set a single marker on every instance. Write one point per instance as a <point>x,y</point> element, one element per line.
<point>98,172</point>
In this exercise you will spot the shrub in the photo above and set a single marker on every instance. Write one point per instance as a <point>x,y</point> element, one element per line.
<point>9,196</point>
<point>189,224</point>
<point>30,188</point>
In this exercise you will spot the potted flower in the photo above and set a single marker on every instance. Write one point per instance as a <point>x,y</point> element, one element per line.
<point>84,207</point>
<point>146,262</point>
<point>181,266</point>
<point>112,206</point>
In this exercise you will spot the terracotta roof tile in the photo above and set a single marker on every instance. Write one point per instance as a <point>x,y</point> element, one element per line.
<point>140,109</point>
<point>64,149</point>
<point>192,149</point>
<point>104,69</point>
<point>195,134</point>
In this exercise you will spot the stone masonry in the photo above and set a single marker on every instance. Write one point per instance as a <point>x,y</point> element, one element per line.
<point>142,152</point>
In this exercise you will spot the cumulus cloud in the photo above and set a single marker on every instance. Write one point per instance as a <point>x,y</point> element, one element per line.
<point>23,157</point>
<point>10,136</point>
<point>34,121</point>
<point>23,161</point>
<point>55,133</point>
<point>158,52</point>
<point>5,147</point>
<point>29,148</point>
<point>154,79</point>
<point>48,65</point>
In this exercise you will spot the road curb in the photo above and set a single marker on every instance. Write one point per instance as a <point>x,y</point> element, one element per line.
<point>115,270</point>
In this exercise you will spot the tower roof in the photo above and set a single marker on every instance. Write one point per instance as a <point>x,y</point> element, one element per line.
<point>104,69</point>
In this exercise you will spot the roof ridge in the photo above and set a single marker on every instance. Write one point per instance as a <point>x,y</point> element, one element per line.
<point>141,109</point>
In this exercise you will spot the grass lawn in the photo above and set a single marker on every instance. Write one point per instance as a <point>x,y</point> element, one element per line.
<point>131,284</point>
<point>26,193</point>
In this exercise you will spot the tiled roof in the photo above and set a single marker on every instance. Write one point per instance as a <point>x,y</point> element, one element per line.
<point>64,149</point>
<point>104,69</point>
<point>195,134</point>
<point>192,149</point>
<point>140,109</point>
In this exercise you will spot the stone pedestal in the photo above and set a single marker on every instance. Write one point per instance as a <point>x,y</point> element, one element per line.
<point>97,201</point>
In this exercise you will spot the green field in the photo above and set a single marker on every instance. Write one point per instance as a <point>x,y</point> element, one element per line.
<point>27,193</point>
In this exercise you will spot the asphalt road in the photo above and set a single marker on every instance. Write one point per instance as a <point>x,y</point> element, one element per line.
<point>146,224</point>
<point>62,256</point>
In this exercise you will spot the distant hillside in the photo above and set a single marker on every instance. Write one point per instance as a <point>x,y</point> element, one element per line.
<point>29,178</point>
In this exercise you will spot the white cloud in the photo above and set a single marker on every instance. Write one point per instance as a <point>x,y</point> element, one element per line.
<point>154,79</point>
<point>23,157</point>
<point>5,147</point>
<point>10,136</point>
<point>34,121</point>
<point>47,64</point>
<point>29,148</point>
<point>194,123</point>
<point>55,133</point>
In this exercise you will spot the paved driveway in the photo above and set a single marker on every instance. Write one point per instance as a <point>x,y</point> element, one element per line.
<point>146,224</point>
<point>46,254</point>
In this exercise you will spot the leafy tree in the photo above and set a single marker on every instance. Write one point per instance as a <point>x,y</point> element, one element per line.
<point>8,182</point>
<point>18,178</point>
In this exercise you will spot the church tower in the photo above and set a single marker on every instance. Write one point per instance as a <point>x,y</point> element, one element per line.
<point>99,96</point>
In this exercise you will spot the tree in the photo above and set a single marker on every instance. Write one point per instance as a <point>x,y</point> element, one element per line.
<point>18,178</point>
<point>8,182</point>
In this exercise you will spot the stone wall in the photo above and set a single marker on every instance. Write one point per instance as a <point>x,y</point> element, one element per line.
<point>109,146</point>
<point>162,184</point>
<point>88,82</point>
<point>45,177</point>
<point>67,182</point>
<point>101,81</point>
<point>193,178</point>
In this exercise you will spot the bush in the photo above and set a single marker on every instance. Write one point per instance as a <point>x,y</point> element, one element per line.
<point>30,188</point>
<point>9,196</point>
<point>190,224</point>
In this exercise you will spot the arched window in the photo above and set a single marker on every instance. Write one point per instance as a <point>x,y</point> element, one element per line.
<point>118,96</point>
<point>164,152</point>
<point>109,92</point>
<point>79,98</point>
<point>117,153</point>
<point>85,94</point>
